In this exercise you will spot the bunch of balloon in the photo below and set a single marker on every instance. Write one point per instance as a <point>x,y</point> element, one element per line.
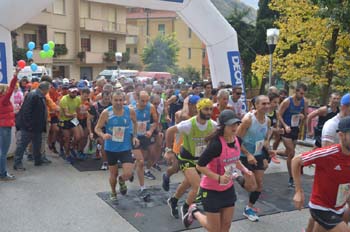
<point>48,50</point>
<point>29,54</point>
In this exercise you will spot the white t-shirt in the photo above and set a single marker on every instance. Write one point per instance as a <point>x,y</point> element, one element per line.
<point>237,107</point>
<point>329,131</point>
<point>186,126</point>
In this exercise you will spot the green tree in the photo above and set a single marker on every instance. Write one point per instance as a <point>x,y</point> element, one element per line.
<point>245,42</point>
<point>161,54</point>
<point>17,53</point>
<point>312,48</point>
<point>190,74</point>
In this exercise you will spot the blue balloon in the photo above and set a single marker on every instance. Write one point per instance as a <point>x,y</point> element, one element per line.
<point>31,45</point>
<point>29,54</point>
<point>33,67</point>
<point>46,47</point>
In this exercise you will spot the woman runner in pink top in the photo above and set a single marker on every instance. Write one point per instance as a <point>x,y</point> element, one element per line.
<point>219,164</point>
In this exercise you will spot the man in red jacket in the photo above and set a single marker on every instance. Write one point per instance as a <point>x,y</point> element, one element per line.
<point>7,121</point>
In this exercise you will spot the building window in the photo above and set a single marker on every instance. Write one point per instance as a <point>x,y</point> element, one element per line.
<point>189,53</point>
<point>112,45</point>
<point>189,33</point>
<point>203,70</point>
<point>60,38</point>
<point>27,38</point>
<point>203,53</point>
<point>59,7</point>
<point>85,44</point>
<point>135,50</point>
<point>128,50</point>
<point>161,29</point>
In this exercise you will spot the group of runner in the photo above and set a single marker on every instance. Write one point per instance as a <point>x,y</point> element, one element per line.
<point>207,135</point>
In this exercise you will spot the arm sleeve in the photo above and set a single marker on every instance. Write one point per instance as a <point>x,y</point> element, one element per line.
<point>10,89</point>
<point>212,151</point>
<point>319,156</point>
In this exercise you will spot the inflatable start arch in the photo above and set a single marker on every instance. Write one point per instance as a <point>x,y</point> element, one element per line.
<point>200,15</point>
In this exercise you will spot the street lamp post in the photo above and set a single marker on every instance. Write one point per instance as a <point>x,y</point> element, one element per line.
<point>272,35</point>
<point>118,59</point>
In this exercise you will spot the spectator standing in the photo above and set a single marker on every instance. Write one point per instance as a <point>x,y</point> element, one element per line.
<point>7,121</point>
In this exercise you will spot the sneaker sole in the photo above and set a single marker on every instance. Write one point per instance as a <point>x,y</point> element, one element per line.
<point>250,219</point>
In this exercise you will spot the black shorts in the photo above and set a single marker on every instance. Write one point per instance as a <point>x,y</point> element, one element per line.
<point>213,201</point>
<point>66,125</point>
<point>145,142</point>
<point>83,123</point>
<point>327,219</point>
<point>54,120</point>
<point>293,133</point>
<point>259,166</point>
<point>123,157</point>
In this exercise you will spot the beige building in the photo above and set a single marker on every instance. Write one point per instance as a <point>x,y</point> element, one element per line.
<point>86,34</point>
<point>151,23</point>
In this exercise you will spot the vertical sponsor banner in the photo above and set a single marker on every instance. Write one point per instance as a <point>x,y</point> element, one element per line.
<point>3,64</point>
<point>234,62</point>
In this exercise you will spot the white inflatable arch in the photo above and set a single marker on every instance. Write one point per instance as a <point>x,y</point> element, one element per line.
<point>200,15</point>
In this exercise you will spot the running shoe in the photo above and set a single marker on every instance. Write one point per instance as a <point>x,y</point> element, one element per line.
<point>174,211</point>
<point>166,182</point>
<point>275,160</point>
<point>113,197</point>
<point>73,153</point>
<point>122,187</point>
<point>69,160</point>
<point>184,210</point>
<point>7,177</point>
<point>188,219</point>
<point>104,166</point>
<point>149,175</point>
<point>132,177</point>
<point>30,157</point>
<point>157,167</point>
<point>250,214</point>
<point>144,195</point>
<point>82,156</point>
<point>291,183</point>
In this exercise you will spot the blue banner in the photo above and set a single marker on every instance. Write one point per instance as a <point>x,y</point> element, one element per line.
<point>3,64</point>
<point>234,62</point>
<point>179,1</point>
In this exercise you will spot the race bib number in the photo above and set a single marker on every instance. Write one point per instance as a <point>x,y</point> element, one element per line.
<point>258,147</point>
<point>230,169</point>
<point>118,134</point>
<point>295,120</point>
<point>343,194</point>
<point>141,128</point>
<point>199,150</point>
<point>75,121</point>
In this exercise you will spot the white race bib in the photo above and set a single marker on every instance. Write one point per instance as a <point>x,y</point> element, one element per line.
<point>230,169</point>
<point>343,194</point>
<point>258,147</point>
<point>199,150</point>
<point>141,127</point>
<point>118,134</point>
<point>295,120</point>
<point>75,121</point>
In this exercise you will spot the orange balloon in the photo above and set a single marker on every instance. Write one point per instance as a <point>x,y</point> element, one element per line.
<point>21,64</point>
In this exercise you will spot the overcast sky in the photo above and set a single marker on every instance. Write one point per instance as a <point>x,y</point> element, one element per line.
<point>253,3</point>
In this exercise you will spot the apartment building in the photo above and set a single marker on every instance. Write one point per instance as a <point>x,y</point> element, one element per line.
<point>86,34</point>
<point>151,23</point>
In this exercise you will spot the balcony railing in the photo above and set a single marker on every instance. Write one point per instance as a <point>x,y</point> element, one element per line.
<point>102,26</point>
<point>131,40</point>
<point>132,30</point>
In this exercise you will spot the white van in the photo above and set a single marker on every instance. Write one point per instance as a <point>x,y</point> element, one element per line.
<point>113,74</point>
<point>27,72</point>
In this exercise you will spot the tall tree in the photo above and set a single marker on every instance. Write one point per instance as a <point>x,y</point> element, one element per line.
<point>161,54</point>
<point>312,48</point>
<point>245,42</point>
